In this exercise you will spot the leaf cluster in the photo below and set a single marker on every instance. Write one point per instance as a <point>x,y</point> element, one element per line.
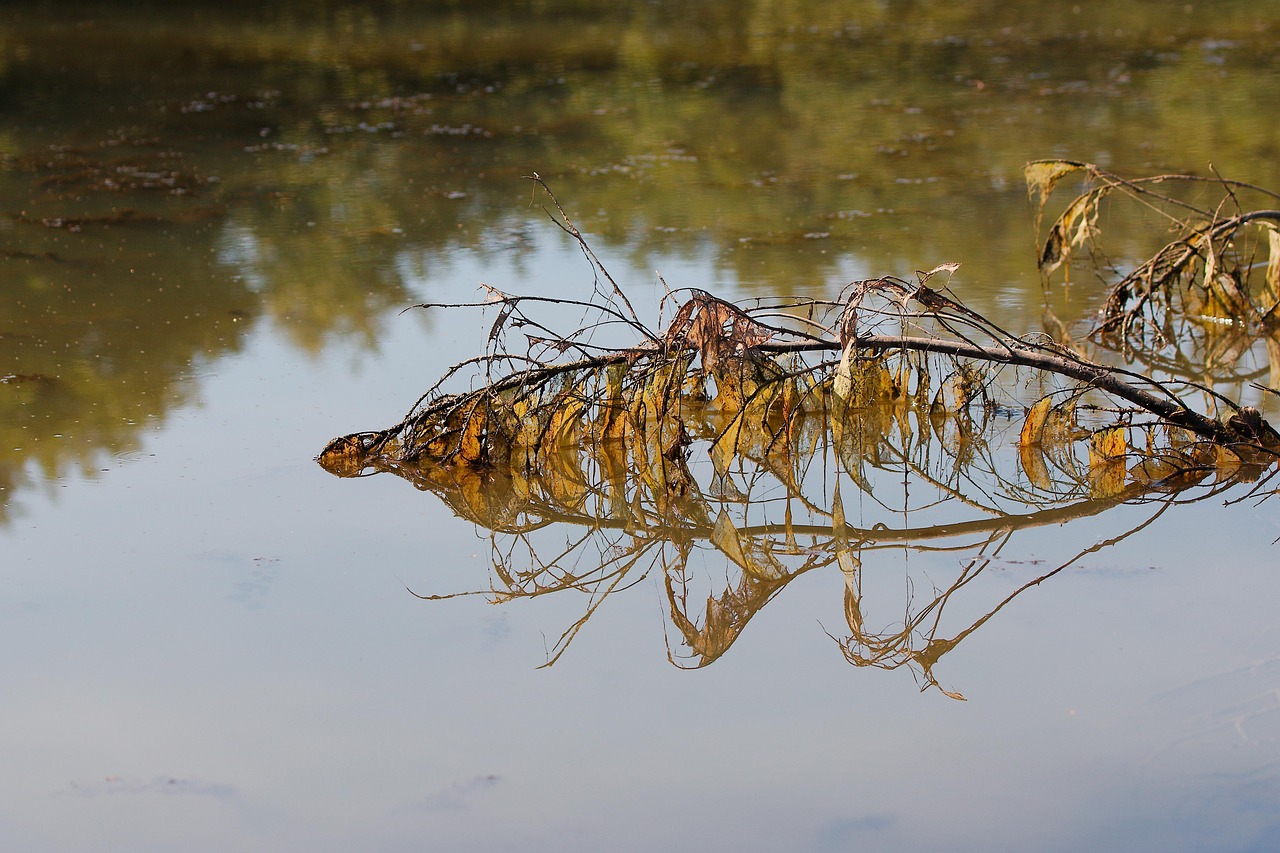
<point>733,429</point>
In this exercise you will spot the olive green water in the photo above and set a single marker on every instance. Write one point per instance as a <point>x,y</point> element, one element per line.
<point>210,220</point>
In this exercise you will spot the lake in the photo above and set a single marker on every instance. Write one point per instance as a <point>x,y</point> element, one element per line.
<point>214,220</point>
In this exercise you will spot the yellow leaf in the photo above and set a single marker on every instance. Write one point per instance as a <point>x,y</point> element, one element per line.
<point>1106,445</point>
<point>566,417</point>
<point>1107,471</point>
<point>1033,464</point>
<point>1271,286</point>
<point>1043,175</point>
<point>1033,426</point>
<point>842,382</point>
<point>470,444</point>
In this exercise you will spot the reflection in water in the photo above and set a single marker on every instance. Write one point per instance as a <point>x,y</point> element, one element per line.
<point>593,474</point>
<point>1203,309</point>
<point>176,176</point>
<point>607,439</point>
<point>198,199</point>
<point>599,519</point>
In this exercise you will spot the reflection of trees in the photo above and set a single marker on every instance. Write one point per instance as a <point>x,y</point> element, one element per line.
<point>781,140</point>
<point>97,345</point>
<point>781,136</point>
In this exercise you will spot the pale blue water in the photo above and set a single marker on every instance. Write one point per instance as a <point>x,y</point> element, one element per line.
<point>210,643</point>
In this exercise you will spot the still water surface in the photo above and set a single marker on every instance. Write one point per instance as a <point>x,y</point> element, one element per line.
<point>212,220</point>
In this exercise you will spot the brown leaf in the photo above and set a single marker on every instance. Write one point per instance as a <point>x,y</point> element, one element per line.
<point>470,444</point>
<point>1073,229</point>
<point>947,268</point>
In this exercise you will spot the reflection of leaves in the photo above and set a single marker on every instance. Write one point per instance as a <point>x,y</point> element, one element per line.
<point>755,558</point>
<point>1202,280</point>
<point>774,393</point>
<point>1106,462</point>
<point>638,508</point>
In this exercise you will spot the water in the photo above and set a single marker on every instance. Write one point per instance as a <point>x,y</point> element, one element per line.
<point>211,643</point>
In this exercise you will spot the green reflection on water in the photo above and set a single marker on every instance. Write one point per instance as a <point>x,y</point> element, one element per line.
<point>170,176</point>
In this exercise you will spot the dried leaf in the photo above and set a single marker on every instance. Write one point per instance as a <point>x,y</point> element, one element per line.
<point>748,333</point>
<point>948,268</point>
<point>1271,286</point>
<point>849,316</point>
<point>1107,448</point>
<point>842,381</point>
<point>1035,466</point>
<point>470,444</point>
<point>1074,228</point>
<point>492,294</point>
<point>1033,426</point>
<point>611,413</point>
<point>566,417</point>
<point>1043,175</point>
<point>500,322</point>
<point>680,321</point>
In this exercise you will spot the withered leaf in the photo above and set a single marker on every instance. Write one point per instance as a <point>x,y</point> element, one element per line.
<point>1033,426</point>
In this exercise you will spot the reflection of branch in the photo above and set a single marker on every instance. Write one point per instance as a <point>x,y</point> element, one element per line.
<point>787,409</point>
<point>725,616</point>
<point>669,542</point>
<point>630,513</point>
<point>891,651</point>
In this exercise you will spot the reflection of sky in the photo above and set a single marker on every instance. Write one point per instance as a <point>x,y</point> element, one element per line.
<point>218,611</point>
<point>240,249</point>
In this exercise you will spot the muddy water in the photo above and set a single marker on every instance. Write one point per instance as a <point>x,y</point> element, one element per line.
<point>212,221</point>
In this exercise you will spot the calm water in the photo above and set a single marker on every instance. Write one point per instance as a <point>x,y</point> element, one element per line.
<point>212,220</point>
